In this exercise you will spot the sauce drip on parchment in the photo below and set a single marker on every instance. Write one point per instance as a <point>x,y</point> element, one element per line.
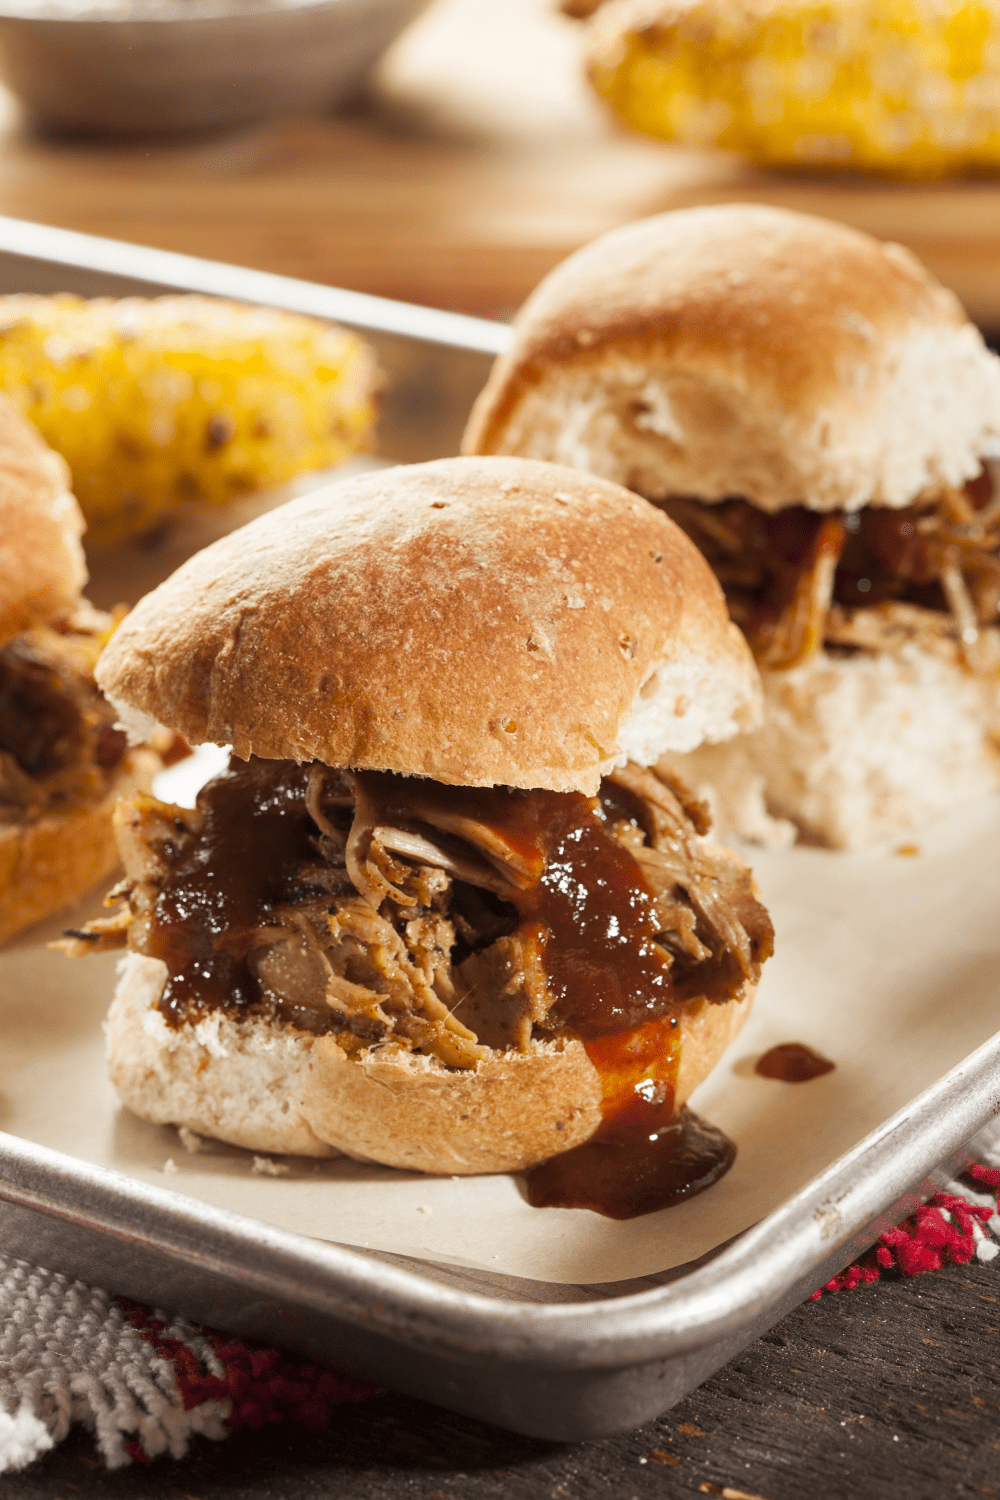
<point>645,1155</point>
<point>793,1062</point>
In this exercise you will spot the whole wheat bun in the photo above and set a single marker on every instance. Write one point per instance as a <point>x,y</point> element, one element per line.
<point>480,621</point>
<point>42,568</point>
<point>48,864</point>
<point>269,1087</point>
<point>751,351</point>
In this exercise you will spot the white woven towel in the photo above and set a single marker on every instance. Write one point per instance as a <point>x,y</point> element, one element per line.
<point>68,1354</point>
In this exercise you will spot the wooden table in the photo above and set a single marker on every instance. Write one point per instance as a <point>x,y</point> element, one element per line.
<point>889,1391</point>
<point>480,160</point>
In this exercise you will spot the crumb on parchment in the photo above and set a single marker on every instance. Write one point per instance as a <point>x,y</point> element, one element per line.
<point>264,1166</point>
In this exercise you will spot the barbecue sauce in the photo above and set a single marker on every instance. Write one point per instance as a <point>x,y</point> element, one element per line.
<point>881,553</point>
<point>255,836</point>
<point>41,724</point>
<point>582,893</point>
<point>793,1062</point>
<point>644,1155</point>
<point>613,984</point>
<point>635,1165</point>
<point>605,967</point>
<point>580,890</point>
<point>51,714</point>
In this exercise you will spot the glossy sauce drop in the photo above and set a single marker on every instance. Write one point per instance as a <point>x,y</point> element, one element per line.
<point>634,1166</point>
<point>793,1062</point>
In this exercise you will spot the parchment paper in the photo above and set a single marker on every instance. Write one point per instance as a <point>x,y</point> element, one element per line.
<point>886,963</point>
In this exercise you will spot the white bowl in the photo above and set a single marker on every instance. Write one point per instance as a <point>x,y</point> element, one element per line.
<point>127,67</point>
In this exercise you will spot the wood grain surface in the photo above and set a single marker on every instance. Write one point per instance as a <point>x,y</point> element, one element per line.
<point>891,1391</point>
<point>479,161</point>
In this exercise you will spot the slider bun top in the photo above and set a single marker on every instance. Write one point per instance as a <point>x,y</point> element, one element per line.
<point>478,621</point>
<point>741,350</point>
<point>42,569</point>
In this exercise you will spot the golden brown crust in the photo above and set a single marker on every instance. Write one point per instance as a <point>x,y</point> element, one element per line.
<point>740,349</point>
<point>478,621</point>
<point>41,560</point>
<point>511,1112</point>
<point>49,864</point>
<point>670,279</point>
<point>411,1112</point>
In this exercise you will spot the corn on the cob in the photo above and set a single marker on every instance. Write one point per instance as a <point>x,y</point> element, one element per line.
<point>182,401</point>
<point>909,88</point>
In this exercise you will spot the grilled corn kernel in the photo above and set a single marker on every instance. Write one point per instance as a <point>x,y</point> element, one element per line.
<point>182,401</point>
<point>908,88</point>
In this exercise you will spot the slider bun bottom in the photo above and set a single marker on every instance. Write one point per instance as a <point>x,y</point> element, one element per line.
<point>856,750</point>
<point>515,1110</point>
<point>269,1087</point>
<point>407,1110</point>
<point>47,865</point>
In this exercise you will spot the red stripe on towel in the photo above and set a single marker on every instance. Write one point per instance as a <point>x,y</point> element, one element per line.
<point>262,1385</point>
<point>940,1232</point>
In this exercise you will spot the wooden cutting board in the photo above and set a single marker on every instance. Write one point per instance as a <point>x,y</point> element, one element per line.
<point>478,162</point>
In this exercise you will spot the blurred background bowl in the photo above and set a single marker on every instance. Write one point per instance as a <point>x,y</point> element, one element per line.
<point>141,67</point>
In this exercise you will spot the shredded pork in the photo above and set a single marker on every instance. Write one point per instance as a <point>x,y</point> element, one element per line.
<point>787,577</point>
<point>58,741</point>
<point>410,931</point>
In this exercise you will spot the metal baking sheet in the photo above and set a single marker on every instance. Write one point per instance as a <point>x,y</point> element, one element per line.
<point>550,1358</point>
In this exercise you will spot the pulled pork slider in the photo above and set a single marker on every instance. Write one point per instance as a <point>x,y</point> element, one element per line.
<point>438,913</point>
<point>815,411</point>
<point>62,762</point>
